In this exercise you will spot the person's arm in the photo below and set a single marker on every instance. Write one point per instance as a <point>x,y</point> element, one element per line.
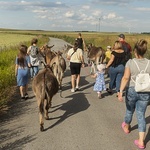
<point>28,61</point>
<point>84,45</point>
<point>28,50</point>
<point>16,70</point>
<point>93,75</point>
<point>68,57</point>
<point>124,82</point>
<point>110,61</point>
<point>82,58</point>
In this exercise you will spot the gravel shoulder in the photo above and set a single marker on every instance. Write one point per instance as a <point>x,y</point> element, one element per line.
<point>78,121</point>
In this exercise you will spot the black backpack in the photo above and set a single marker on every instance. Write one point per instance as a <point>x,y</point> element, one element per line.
<point>34,51</point>
<point>126,48</point>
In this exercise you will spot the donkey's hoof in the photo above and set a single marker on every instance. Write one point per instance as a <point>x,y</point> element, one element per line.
<point>46,117</point>
<point>41,128</point>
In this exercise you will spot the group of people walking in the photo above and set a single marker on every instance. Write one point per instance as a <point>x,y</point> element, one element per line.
<point>121,69</point>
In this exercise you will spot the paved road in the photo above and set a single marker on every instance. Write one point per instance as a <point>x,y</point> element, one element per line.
<point>78,121</point>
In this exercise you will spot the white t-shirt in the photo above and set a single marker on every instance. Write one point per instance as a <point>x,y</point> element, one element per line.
<point>76,57</point>
<point>134,70</point>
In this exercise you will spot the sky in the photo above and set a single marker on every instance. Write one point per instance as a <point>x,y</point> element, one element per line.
<point>76,15</point>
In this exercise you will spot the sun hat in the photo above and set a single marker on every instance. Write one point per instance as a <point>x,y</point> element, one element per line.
<point>122,36</point>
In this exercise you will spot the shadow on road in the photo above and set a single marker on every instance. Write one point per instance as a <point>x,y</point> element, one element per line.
<point>15,109</point>
<point>77,104</point>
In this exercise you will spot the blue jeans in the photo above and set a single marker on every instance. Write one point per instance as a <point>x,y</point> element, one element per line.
<point>34,70</point>
<point>116,74</point>
<point>136,101</point>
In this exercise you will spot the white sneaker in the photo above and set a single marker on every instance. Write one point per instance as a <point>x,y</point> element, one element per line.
<point>72,90</point>
<point>77,88</point>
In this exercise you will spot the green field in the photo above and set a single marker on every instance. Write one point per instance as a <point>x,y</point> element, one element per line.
<point>8,39</point>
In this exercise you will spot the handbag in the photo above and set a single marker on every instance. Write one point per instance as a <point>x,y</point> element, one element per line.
<point>142,81</point>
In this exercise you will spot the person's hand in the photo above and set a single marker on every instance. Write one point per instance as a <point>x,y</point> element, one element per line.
<point>83,65</point>
<point>120,98</point>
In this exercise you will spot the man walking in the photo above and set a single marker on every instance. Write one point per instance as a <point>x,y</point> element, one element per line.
<point>126,47</point>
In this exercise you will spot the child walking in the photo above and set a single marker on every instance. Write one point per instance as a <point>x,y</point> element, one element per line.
<point>99,85</point>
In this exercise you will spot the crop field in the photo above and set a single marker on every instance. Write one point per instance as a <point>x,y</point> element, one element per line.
<point>8,39</point>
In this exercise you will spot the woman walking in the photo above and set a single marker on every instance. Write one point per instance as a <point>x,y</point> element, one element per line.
<point>116,67</point>
<point>75,55</point>
<point>22,70</point>
<point>135,100</point>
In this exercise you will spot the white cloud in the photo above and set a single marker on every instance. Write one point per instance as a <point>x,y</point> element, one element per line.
<point>86,7</point>
<point>69,14</point>
<point>143,9</point>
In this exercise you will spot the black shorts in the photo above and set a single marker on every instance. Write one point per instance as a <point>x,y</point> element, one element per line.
<point>75,68</point>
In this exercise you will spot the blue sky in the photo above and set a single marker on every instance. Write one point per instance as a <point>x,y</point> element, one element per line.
<point>76,15</point>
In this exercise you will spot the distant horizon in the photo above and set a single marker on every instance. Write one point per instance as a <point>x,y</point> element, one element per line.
<point>73,31</point>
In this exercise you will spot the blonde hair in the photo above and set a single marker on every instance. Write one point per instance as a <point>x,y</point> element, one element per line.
<point>117,45</point>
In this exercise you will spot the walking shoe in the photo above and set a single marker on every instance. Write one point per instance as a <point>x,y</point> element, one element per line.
<point>72,90</point>
<point>77,88</point>
<point>26,96</point>
<point>109,91</point>
<point>22,98</point>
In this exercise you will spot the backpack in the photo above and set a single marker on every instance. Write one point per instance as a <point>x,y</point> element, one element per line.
<point>142,81</point>
<point>34,51</point>
<point>126,48</point>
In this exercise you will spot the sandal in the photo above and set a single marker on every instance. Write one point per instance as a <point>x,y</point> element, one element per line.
<point>123,127</point>
<point>136,142</point>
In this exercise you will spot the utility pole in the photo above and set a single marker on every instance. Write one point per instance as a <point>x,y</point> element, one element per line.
<point>99,24</point>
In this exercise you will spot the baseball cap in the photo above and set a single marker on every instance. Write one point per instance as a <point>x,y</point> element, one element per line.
<point>121,36</point>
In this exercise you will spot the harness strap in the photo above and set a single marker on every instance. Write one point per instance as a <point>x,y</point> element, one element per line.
<point>139,68</point>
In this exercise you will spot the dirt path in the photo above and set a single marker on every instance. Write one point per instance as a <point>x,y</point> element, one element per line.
<point>78,121</point>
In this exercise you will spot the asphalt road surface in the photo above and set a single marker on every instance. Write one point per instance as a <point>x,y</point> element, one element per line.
<point>78,121</point>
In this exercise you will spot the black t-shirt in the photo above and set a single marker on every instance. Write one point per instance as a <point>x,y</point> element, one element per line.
<point>119,59</point>
<point>80,43</point>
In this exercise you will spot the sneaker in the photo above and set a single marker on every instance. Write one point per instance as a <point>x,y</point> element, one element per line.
<point>26,96</point>
<point>72,90</point>
<point>77,88</point>
<point>22,98</point>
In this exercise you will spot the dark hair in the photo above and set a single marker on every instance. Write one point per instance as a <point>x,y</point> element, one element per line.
<point>21,55</point>
<point>79,34</point>
<point>34,41</point>
<point>140,47</point>
<point>75,45</point>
